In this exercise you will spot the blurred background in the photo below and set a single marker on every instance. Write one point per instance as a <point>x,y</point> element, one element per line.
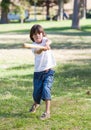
<point>31,10</point>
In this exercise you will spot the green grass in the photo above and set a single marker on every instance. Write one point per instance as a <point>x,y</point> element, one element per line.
<point>71,102</point>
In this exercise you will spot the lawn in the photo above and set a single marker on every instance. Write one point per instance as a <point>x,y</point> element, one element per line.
<point>71,92</point>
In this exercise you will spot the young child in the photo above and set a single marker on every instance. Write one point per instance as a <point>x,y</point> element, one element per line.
<point>43,70</point>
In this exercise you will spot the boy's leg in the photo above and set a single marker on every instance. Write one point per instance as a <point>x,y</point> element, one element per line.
<point>47,103</point>
<point>46,93</point>
<point>46,114</point>
<point>37,91</point>
<point>37,83</point>
<point>34,107</point>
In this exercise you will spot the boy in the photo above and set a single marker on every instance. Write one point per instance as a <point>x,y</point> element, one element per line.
<point>43,70</point>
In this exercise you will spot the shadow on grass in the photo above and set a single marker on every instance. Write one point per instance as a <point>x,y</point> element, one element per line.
<point>11,46</point>
<point>16,92</point>
<point>68,31</point>
<point>61,45</point>
<point>85,28</point>
<point>83,61</point>
<point>23,31</point>
<point>23,66</point>
<point>71,45</point>
<point>69,78</point>
<point>18,76</point>
<point>72,78</point>
<point>57,30</point>
<point>17,115</point>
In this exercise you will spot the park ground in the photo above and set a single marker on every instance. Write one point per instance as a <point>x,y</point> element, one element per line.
<point>71,92</point>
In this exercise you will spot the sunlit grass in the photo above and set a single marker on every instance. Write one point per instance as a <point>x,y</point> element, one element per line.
<point>71,92</point>
<point>65,25</point>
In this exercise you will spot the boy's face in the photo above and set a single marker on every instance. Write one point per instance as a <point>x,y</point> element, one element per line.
<point>38,37</point>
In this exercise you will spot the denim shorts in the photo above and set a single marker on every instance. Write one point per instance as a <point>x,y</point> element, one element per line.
<point>42,82</point>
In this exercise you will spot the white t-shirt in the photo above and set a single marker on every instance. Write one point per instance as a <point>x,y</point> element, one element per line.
<point>44,60</point>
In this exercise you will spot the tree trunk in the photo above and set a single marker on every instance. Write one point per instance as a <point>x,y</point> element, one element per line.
<point>4,11</point>
<point>47,10</point>
<point>4,18</point>
<point>83,12</point>
<point>75,19</point>
<point>60,9</point>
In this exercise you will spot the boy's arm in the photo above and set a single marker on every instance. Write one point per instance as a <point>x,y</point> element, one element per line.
<point>46,47</point>
<point>48,43</point>
<point>37,49</point>
<point>27,45</point>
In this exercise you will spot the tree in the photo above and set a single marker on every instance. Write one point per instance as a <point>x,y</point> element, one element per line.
<point>76,11</point>
<point>5,7</point>
<point>83,8</point>
<point>79,8</point>
<point>49,4</point>
<point>61,8</point>
<point>21,7</point>
<point>4,10</point>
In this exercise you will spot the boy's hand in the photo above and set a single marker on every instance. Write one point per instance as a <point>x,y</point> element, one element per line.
<point>38,51</point>
<point>47,47</point>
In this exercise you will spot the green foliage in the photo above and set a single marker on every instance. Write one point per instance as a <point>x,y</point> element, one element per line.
<point>5,4</point>
<point>22,12</point>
